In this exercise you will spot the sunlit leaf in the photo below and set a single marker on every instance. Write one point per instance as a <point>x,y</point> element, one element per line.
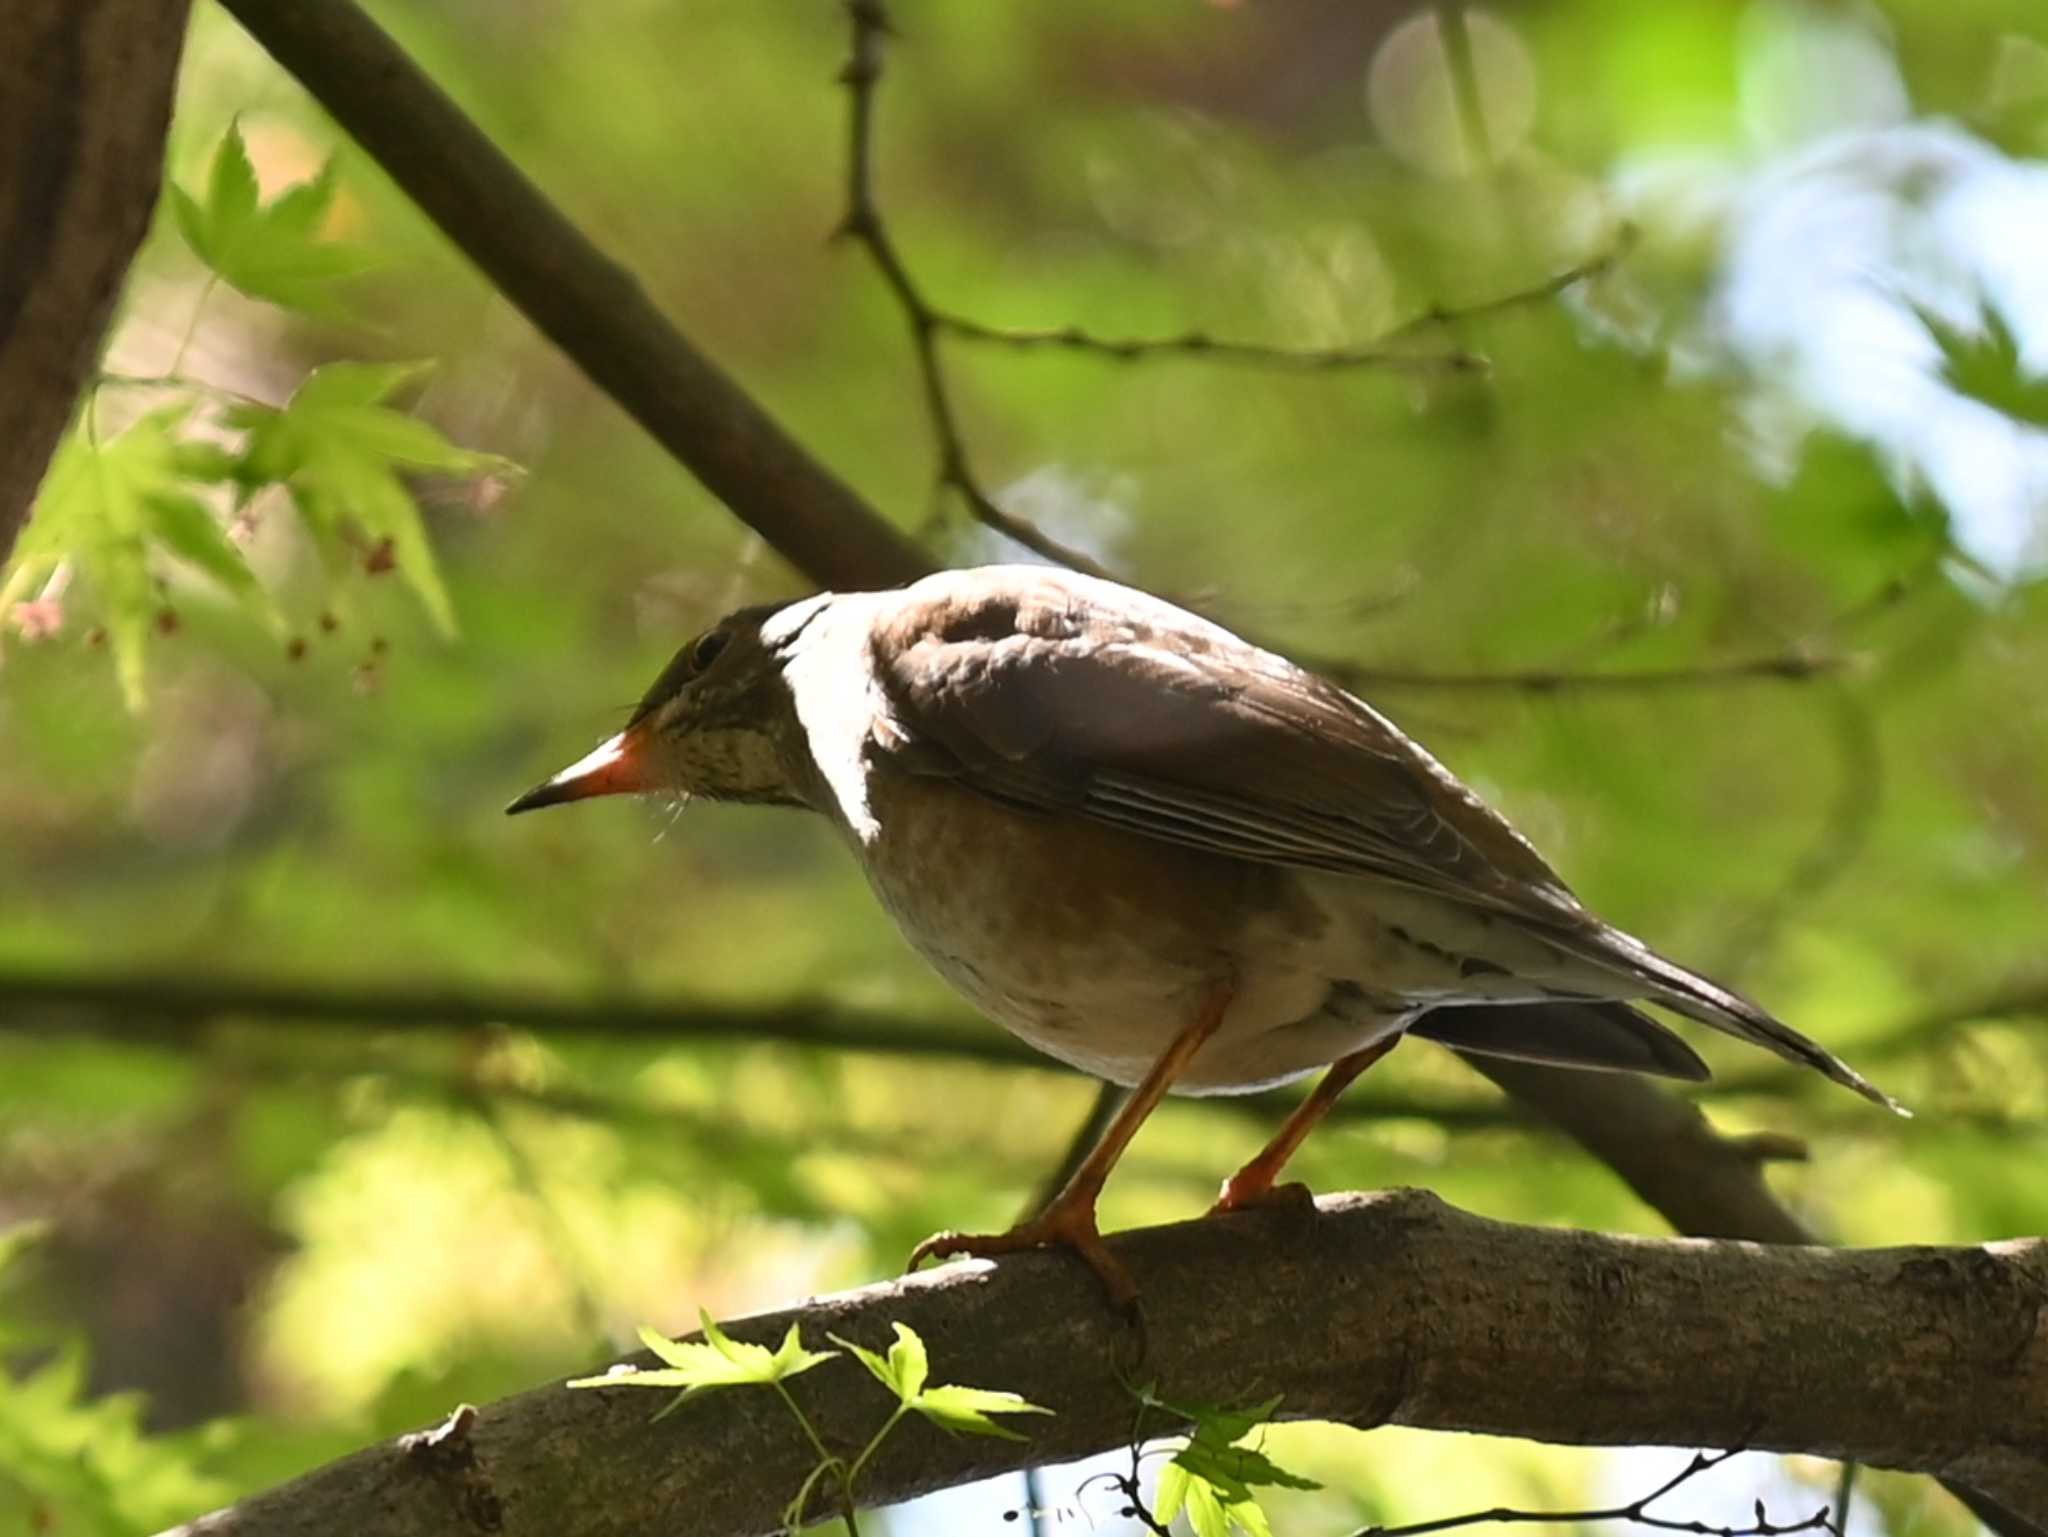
<point>717,1361</point>
<point>268,251</point>
<point>968,1410</point>
<point>909,1365</point>
<point>341,451</point>
<point>1212,1477</point>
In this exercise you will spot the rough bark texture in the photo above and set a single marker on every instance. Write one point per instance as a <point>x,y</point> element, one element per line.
<point>85,97</point>
<point>1390,1308</point>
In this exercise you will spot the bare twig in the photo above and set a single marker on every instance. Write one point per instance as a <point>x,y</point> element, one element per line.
<point>1845,1491</point>
<point>1557,283</point>
<point>1379,352</point>
<point>1795,666</point>
<point>175,380</point>
<point>1207,347</point>
<point>864,224</point>
<point>1636,1511</point>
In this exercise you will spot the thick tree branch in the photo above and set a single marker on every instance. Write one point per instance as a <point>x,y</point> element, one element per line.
<point>1381,1309</point>
<point>85,97</point>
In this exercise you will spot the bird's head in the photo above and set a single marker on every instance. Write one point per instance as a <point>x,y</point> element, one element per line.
<point>719,722</point>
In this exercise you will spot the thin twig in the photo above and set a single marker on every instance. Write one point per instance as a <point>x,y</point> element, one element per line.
<point>1845,1493</point>
<point>1211,348</point>
<point>1794,666</point>
<point>1378,352</point>
<point>179,381</point>
<point>1636,1511</point>
<point>1802,662</point>
<point>863,224</point>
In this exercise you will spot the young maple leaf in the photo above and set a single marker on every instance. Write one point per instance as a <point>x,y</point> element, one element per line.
<point>341,451</point>
<point>107,507</point>
<point>269,251</point>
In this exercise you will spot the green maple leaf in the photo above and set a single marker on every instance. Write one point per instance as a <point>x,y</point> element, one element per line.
<point>1212,1478</point>
<point>718,1361</point>
<point>107,507</point>
<point>340,451</point>
<point>905,1371</point>
<point>269,251</point>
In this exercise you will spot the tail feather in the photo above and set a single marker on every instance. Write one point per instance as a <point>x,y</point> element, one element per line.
<point>1702,999</point>
<point>1608,1036</point>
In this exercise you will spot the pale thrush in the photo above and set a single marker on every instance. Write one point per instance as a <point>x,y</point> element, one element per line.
<point>1155,851</point>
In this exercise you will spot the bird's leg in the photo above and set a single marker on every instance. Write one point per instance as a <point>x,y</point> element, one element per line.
<point>1253,1184</point>
<point>1069,1220</point>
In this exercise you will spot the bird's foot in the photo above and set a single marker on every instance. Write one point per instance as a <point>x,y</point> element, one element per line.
<point>1065,1225</point>
<point>1242,1193</point>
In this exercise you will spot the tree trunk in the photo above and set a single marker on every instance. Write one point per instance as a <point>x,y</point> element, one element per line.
<point>85,98</point>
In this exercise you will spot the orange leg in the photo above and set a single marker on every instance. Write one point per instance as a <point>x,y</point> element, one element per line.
<point>1070,1219</point>
<point>1253,1184</point>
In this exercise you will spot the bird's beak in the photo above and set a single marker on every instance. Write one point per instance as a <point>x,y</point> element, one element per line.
<point>616,767</point>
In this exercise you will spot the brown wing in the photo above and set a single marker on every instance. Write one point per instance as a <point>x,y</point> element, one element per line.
<point>1058,694</point>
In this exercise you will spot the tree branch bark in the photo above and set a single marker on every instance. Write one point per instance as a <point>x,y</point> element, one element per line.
<point>1381,1309</point>
<point>85,97</point>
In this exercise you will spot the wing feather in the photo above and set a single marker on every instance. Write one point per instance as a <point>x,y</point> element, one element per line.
<point>1045,694</point>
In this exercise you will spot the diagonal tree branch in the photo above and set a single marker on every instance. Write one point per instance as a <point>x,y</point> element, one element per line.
<point>1382,1309</point>
<point>577,296</point>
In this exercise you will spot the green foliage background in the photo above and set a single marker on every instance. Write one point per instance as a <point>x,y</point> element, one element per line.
<point>321,1234</point>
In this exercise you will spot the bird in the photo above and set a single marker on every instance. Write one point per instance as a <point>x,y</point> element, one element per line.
<point>1157,852</point>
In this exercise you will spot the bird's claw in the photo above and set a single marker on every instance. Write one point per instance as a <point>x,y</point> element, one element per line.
<point>1069,1227</point>
<point>1250,1195</point>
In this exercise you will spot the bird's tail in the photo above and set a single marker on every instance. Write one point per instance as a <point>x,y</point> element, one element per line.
<point>1703,999</point>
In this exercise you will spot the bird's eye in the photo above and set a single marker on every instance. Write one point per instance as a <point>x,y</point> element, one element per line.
<point>706,649</point>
